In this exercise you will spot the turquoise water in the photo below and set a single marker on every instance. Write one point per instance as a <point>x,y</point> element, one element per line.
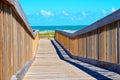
<point>53,28</point>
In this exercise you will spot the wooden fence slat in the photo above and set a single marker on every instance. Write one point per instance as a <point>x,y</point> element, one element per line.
<point>114,40</point>
<point>1,46</point>
<point>119,42</point>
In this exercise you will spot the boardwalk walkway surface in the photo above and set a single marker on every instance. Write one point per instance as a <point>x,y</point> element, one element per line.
<point>48,66</point>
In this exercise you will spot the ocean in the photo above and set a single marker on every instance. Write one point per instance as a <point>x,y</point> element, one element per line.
<point>53,28</point>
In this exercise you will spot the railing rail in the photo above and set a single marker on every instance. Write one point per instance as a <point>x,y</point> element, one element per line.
<point>99,41</point>
<point>20,13</point>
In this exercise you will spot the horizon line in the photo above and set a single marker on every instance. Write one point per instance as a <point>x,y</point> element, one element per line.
<point>60,25</point>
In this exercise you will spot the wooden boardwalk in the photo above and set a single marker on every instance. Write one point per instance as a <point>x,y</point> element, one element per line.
<point>48,66</point>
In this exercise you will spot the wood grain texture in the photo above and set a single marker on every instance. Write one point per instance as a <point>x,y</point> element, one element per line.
<point>17,46</point>
<point>119,42</point>
<point>114,45</point>
<point>102,44</point>
<point>1,46</point>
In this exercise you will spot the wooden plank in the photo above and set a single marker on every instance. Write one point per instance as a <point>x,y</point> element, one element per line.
<point>89,46</point>
<point>109,43</point>
<point>4,44</point>
<point>84,45</point>
<point>95,45</point>
<point>84,38</point>
<point>100,43</point>
<point>1,42</point>
<point>12,43</point>
<point>69,43</point>
<point>15,42</point>
<point>114,44</point>
<point>104,44</point>
<point>79,44</point>
<point>87,50</point>
<point>76,46</point>
<point>92,45</point>
<point>9,69</point>
<point>119,42</point>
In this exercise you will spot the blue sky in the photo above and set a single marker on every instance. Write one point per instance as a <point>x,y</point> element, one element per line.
<point>67,12</point>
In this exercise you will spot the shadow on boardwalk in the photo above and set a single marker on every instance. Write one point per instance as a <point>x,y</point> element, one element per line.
<point>96,75</point>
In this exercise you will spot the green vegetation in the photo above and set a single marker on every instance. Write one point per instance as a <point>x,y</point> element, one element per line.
<point>47,35</point>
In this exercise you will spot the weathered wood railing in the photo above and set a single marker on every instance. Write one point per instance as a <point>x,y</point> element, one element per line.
<point>18,42</point>
<point>99,43</point>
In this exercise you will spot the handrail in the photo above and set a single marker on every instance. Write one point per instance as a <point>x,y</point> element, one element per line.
<point>98,24</point>
<point>19,11</point>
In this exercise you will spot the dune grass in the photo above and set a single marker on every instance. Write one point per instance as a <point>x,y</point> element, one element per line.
<point>47,35</point>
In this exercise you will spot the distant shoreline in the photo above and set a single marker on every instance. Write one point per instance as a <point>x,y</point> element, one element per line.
<point>49,34</point>
<point>46,31</point>
<point>64,28</point>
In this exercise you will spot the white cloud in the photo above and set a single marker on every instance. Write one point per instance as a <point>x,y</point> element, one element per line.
<point>113,10</point>
<point>65,13</point>
<point>83,14</point>
<point>104,12</point>
<point>46,13</point>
